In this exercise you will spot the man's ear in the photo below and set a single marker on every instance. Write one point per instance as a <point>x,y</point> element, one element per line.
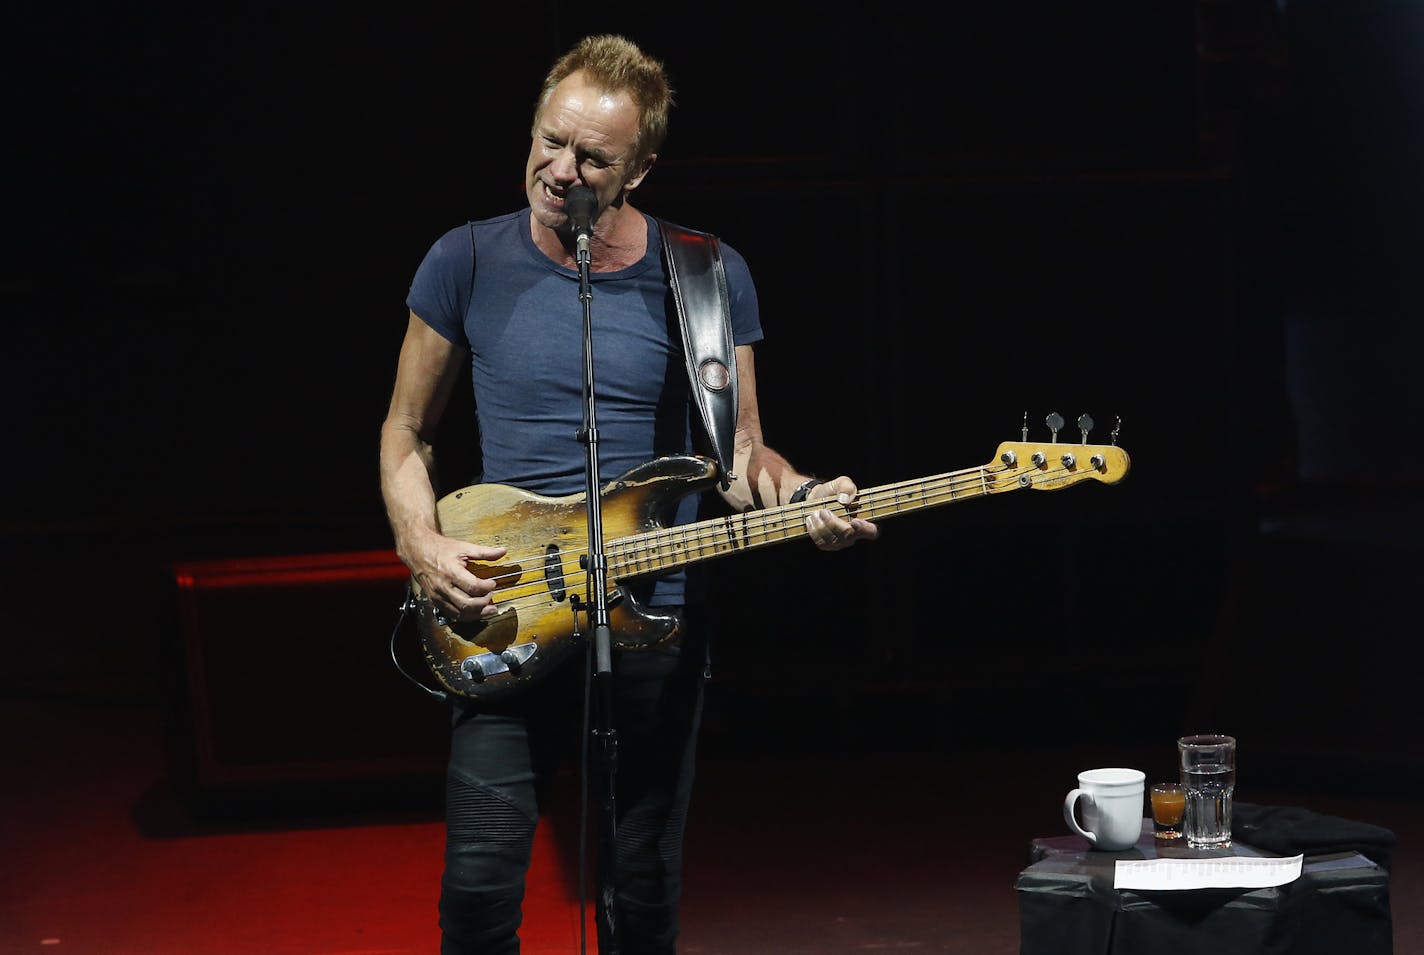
<point>637,179</point>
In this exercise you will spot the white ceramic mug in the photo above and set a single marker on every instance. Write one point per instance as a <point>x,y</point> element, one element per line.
<point>1112,807</point>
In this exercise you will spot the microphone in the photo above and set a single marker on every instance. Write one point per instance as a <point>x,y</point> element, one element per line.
<point>580,204</point>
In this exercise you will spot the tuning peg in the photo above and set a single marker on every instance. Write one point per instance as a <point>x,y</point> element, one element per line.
<point>1055,424</point>
<point>1085,424</point>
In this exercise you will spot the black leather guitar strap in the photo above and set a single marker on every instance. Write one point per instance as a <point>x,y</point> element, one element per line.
<point>704,310</point>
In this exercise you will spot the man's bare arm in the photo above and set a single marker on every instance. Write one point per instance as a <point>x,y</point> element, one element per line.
<point>428,368</point>
<point>765,479</point>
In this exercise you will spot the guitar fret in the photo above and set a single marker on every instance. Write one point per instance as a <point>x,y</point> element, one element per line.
<point>666,549</point>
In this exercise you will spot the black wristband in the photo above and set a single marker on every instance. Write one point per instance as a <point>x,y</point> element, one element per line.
<point>799,495</point>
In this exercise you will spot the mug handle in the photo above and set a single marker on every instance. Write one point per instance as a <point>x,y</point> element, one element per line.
<point>1072,822</point>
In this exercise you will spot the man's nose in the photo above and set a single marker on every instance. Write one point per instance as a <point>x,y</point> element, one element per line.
<point>565,167</point>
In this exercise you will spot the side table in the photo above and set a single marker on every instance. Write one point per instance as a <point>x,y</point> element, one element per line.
<point>1068,906</point>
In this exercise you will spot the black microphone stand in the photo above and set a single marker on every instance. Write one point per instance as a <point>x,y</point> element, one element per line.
<point>596,568</point>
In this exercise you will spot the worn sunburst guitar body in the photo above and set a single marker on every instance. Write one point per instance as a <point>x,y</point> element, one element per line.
<point>542,591</point>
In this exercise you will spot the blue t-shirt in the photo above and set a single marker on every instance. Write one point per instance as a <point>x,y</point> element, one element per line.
<point>485,286</point>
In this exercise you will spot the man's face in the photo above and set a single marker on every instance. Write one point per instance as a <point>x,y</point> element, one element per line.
<point>583,135</point>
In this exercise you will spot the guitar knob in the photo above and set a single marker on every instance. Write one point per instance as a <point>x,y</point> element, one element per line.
<point>1085,424</point>
<point>516,656</point>
<point>1068,460</point>
<point>1055,424</point>
<point>1098,462</point>
<point>1039,458</point>
<point>1009,458</point>
<point>472,669</point>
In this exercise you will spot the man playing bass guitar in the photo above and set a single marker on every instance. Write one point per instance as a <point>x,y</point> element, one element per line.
<point>501,295</point>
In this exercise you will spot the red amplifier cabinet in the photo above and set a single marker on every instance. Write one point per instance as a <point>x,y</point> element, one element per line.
<point>289,677</point>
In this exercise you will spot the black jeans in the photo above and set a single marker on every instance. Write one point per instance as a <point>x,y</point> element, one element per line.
<point>501,760</point>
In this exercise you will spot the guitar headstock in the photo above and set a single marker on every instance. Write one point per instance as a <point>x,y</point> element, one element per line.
<point>1044,466</point>
<point>1052,465</point>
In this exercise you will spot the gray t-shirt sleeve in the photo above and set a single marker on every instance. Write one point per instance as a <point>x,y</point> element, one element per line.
<point>741,290</point>
<point>440,292</point>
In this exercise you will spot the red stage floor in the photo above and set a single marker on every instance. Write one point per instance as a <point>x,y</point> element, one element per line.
<point>788,854</point>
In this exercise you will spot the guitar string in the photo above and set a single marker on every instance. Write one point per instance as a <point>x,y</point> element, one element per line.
<point>787,520</point>
<point>780,517</point>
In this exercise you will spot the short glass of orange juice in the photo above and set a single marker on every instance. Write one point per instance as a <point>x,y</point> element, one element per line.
<point>1169,804</point>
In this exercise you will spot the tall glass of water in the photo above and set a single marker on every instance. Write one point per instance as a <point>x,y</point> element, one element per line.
<point>1209,775</point>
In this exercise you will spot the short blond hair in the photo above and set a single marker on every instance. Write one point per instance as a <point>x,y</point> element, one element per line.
<point>616,64</point>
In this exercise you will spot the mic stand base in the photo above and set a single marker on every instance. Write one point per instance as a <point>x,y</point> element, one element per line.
<point>605,741</point>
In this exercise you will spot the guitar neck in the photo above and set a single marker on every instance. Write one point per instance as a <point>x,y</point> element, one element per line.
<point>670,548</point>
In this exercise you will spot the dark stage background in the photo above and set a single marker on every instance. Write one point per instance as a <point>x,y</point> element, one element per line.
<point>1201,216</point>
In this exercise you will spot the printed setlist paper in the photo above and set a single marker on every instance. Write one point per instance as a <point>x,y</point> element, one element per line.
<point>1230,872</point>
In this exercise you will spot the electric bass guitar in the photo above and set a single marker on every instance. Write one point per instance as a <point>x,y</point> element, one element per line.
<point>541,584</point>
